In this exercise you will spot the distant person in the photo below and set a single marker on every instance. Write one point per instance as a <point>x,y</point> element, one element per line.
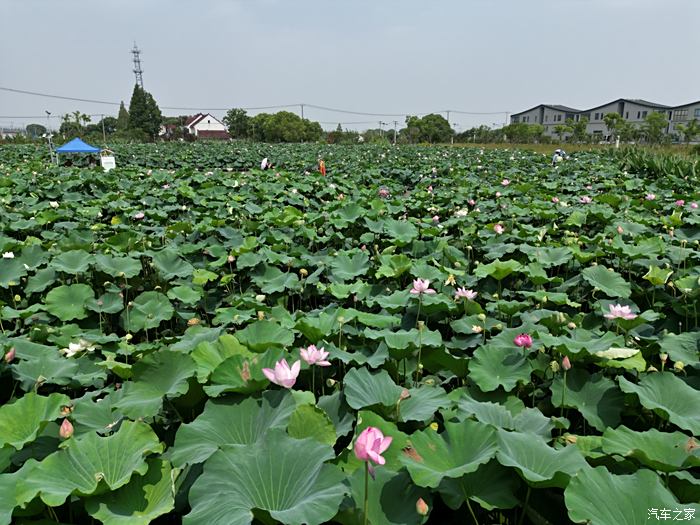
<point>559,155</point>
<point>265,164</point>
<point>322,167</point>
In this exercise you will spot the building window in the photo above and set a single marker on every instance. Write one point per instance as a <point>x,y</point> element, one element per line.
<point>697,113</point>
<point>627,115</point>
<point>535,118</point>
<point>639,115</point>
<point>680,114</point>
<point>644,114</point>
<point>558,118</point>
<point>546,117</point>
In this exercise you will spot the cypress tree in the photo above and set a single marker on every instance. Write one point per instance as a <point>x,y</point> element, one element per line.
<point>144,113</point>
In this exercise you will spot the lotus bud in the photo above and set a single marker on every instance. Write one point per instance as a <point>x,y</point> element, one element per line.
<point>128,337</point>
<point>17,298</point>
<point>664,357</point>
<point>10,355</point>
<point>421,325</point>
<point>261,315</point>
<point>679,366</point>
<point>303,272</point>
<point>330,383</point>
<point>481,317</point>
<point>260,298</point>
<point>230,259</point>
<point>434,426</point>
<point>571,325</point>
<point>422,507</point>
<point>499,326</point>
<point>565,363</point>
<point>66,430</point>
<point>405,394</point>
<point>652,368</point>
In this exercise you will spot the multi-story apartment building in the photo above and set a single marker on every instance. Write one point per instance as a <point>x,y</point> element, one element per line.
<point>634,111</point>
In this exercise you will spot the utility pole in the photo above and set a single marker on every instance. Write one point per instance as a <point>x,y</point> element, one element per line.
<point>302,111</point>
<point>448,115</point>
<point>395,124</point>
<point>104,135</point>
<point>138,72</point>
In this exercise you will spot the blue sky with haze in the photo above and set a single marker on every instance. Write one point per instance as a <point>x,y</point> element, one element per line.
<point>381,56</point>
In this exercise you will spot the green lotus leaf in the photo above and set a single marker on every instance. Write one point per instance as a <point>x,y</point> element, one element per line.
<point>22,421</point>
<point>123,267</point>
<point>156,376</point>
<point>498,269</point>
<point>682,347</point>
<point>261,335</point>
<point>274,280</point>
<point>243,373</point>
<point>657,276</point>
<point>403,232</point>
<point>392,499</point>
<point>538,463</point>
<point>393,265</point>
<point>108,303</point>
<point>595,396</point>
<point>11,272</point>
<point>665,451</point>
<point>317,328</point>
<point>195,442</point>
<point>147,310</point>
<point>492,486</point>
<point>423,403</point>
<point>68,302</point>
<point>73,262</point>
<point>309,421</point>
<point>617,498</point>
<point>139,502</point>
<point>607,281</point>
<point>460,449</point>
<point>184,294</point>
<point>363,388</point>
<point>338,411</point>
<point>288,478</point>
<point>346,268</point>
<point>582,340</point>
<point>89,461</point>
<point>170,265</point>
<point>40,281</point>
<point>668,395</point>
<point>494,366</point>
<point>208,355</point>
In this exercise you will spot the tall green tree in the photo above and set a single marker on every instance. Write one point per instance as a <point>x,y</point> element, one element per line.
<point>237,121</point>
<point>35,130</point>
<point>614,122</point>
<point>654,127</point>
<point>122,118</point>
<point>561,130</point>
<point>578,129</point>
<point>144,113</point>
<point>689,131</point>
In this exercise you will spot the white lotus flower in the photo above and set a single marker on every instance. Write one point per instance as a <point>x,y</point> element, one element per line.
<point>53,204</point>
<point>8,255</point>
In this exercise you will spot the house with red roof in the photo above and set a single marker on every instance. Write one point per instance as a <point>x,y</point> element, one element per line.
<point>206,126</point>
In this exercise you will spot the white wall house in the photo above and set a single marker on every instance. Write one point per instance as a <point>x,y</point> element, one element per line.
<point>683,115</point>
<point>205,125</point>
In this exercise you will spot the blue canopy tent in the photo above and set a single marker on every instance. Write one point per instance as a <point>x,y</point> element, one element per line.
<point>76,146</point>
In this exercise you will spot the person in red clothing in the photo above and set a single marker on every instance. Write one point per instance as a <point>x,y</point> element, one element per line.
<point>322,167</point>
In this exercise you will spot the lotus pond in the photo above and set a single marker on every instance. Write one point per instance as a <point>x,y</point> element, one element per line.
<point>496,341</point>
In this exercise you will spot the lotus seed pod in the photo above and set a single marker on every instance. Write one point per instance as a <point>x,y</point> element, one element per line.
<point>679,366</point>
<point>128,337</point>
<point>554,366</point>
<point>303,272</point>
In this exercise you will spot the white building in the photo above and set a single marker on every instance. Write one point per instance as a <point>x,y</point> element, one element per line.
<point>206,126</point>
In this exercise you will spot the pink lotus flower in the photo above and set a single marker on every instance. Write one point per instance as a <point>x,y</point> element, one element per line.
<point>430,189</point>
<point>617,311</point>
<point>421,286</point>
<point>436,218</point>
<point>694,205</point>
<point>383,192</point>
<point>466,294</point>
<point>498,194</point>
<point>370,444</point>
<point>66,429</point>
<point>315,356</point>
<point>10,355</point>
<point>620,230</point>
<point>680,202</point>
<point>585,199</point>
<point>165,186</point>
<point>140,215</point>
<point>523,340</point>
<point>505,182</point>
<point>283,375</point>
<point>499,229</point>
<point>650,196</point>
<point>555,200</point>
<point>565,363</point>
<point>471,202</point>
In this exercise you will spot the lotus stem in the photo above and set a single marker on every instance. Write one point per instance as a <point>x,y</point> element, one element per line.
<point>366,492</point>
<point>471,511</point>
<point>527,502</point>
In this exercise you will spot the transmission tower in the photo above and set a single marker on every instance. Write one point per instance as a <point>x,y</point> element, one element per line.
<point>137,65</point>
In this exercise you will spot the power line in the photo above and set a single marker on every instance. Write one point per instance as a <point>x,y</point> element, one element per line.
<point>255,108</point>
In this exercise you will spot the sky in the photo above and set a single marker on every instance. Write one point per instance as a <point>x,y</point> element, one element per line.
<point>392,57</point>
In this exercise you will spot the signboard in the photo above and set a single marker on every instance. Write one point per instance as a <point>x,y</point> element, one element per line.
<point>108,162</point>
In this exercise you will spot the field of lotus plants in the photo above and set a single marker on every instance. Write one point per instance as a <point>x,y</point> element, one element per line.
<point>424,335</point>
